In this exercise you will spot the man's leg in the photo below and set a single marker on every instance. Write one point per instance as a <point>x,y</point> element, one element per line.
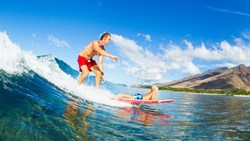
<point>97,72</point>
<point>84,74</point>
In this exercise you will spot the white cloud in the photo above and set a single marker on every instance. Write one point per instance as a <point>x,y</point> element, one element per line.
<point>179,57</point>
<point>202,52</point>
<point>228,65</point>
<point>190,68</point>
<point>99,3</point>
<point>230,11</point>
<point>146,36</point>
<point>246,35</point>
<point>239,54</point>
<point>145,65</point>
<point>57,42</point>
<point>238,41</point>
<point>141,63</point>
<point>34,35</point>
<point>109,65</point>
<point>243,41</point>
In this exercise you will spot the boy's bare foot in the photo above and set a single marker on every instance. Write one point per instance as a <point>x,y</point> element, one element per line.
<point>154,88</point>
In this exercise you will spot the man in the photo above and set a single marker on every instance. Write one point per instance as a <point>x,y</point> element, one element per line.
<point>87,64</point>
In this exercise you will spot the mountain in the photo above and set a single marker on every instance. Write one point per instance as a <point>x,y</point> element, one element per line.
<point>221,79</point>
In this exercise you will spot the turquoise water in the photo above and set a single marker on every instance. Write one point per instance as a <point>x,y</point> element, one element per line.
<point>41,101</point>
<point>34,109</point>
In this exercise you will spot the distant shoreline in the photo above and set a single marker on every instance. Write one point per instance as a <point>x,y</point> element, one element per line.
<point>235,92</point>
<point>237,95</point>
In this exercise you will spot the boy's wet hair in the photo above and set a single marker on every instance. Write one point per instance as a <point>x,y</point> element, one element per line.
<point>105,34</point>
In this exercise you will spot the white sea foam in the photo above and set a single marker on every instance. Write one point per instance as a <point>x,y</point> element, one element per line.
<point>16,61</point>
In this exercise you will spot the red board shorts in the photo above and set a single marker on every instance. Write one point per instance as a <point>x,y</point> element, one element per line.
<point>83,61</point>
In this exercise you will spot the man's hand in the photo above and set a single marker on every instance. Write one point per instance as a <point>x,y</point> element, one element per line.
<point>115,58</point>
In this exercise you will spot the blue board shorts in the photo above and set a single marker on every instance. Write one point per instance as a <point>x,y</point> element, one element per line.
<point>138,96</point>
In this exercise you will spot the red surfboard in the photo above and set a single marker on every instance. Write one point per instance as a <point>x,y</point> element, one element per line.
<point>131,101</point>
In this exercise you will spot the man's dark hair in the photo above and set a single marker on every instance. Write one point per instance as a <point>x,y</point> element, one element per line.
<point>104,35</point>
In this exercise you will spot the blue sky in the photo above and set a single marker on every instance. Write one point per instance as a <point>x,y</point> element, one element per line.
<point>156,41</point>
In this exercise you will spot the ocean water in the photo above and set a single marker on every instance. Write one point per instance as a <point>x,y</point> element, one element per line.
<point>41,101</point>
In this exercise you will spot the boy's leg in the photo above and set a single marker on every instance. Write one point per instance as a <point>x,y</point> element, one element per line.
<point>153,96</point>
<point>149,96</point>
<point>154,91</point>
<point>125,96</point>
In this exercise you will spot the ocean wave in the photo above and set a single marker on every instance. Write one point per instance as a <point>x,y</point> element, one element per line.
<point>15,61</point>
